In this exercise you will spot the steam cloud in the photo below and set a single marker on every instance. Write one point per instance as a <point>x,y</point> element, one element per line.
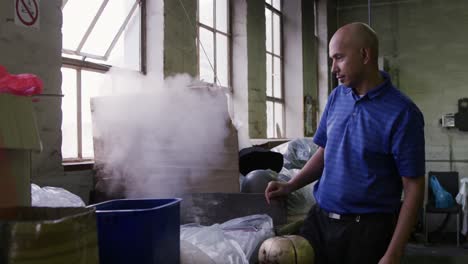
<point>161,139</point>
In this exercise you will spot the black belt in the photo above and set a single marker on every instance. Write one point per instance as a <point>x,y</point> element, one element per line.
<point>358,217</point>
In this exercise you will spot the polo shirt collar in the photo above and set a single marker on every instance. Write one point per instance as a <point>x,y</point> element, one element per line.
<point>376,90</point>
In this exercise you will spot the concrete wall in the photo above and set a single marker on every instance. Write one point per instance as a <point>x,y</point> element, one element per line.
<point>38,51</point>
<point>309,56</point>
<point>424,45</point>
<point>326,27</point>
<point>293,68</point>
<point>239,73</point>
<point>180,49</point>
<point>256,63</point>
<point>426,53</point>
<point>155,39</point>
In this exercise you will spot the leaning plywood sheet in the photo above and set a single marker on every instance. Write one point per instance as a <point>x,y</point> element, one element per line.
<point>165,144</point>
<point>212,208</point>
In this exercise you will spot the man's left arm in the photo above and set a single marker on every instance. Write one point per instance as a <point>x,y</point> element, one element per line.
<point>413,198</point>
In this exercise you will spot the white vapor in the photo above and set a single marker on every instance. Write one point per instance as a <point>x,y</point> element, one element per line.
<point>160,139</point>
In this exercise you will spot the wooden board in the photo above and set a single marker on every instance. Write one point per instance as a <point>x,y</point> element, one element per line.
<point>148,150</point>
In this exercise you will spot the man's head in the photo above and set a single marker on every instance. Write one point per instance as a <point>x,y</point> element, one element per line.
<point>354,51</point>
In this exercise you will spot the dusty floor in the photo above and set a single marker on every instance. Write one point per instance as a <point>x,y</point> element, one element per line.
<point>441,250</point>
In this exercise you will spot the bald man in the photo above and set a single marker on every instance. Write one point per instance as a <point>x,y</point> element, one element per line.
<point>371,147</point>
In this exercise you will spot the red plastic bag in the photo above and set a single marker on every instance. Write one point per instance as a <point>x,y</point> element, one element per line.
<point>19,84</point>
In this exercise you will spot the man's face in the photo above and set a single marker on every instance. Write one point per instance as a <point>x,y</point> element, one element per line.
<point>347,61</point>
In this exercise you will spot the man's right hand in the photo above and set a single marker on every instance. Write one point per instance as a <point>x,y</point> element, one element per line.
<point>276,189</point>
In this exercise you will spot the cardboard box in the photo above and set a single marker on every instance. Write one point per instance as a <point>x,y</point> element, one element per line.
<point>144,149</point>
<point>18,138</point>
<point>38,235</point>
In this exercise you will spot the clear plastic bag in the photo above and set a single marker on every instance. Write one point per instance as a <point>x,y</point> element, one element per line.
<point>249,232</point>
<point>233,242</point>
<point>212,241</point>
<point>296,152</point>
<point>462,199</point>
<point>190,254</point>
<point>54,197</point>
<point>462,196</point>
<point>299,201</point>
<point>256,181</point>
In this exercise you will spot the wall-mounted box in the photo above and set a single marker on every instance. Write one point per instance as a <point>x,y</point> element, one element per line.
<point>18,138</point>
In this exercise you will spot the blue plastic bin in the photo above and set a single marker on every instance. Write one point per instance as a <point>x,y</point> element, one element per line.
<point>139,231</point>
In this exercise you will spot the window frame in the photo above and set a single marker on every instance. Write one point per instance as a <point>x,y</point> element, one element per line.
<point>273,99</point>
<point>141,4</point>
<point>215,31</point>
<point>80,65</point>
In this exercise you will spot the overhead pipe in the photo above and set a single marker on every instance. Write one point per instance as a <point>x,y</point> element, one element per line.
<point>369,13</point>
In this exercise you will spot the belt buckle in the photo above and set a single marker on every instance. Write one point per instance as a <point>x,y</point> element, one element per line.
<point>334,216</point>
<point>358,218</point>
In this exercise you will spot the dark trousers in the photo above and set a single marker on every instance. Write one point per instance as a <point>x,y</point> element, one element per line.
<point>351,239</point>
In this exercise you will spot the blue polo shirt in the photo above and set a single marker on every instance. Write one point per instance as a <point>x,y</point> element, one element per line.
<point>370,142</point>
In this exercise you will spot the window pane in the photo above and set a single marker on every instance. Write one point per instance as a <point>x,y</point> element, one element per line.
<point>69,114</point>
<point>207,42</point>
<point>277,84</point>
<point>268,1</point>
<point>268,30</point>
<point>277,4</point>
<point>222,15</point>
<point>77,16</point>
<point>279,133</point>
<point>126,52</point>
<point>92,84</point>
<point>276,34</point>
<point>270,120</point>
<point>205,12</point>
<point>269,75</point>
<point>222,58</point>
<point>107,26</point>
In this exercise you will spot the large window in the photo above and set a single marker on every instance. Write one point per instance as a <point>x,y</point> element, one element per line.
<point>274,70</point>
<point>214,41</point>
<point>97,35</point>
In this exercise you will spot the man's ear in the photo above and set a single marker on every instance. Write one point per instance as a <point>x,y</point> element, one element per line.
<point>365,54</point>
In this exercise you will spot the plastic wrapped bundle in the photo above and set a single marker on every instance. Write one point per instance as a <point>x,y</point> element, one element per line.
<point>256,181</point>
<point>298,202</point>
<point>296,152</point>
<point>190,254</point>
<point>212,241</point>
<point>54,197</point>
<point>233,242</point>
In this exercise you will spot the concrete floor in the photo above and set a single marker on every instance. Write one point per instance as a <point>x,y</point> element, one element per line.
<point>441,250</point>
<point>435,254</point>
